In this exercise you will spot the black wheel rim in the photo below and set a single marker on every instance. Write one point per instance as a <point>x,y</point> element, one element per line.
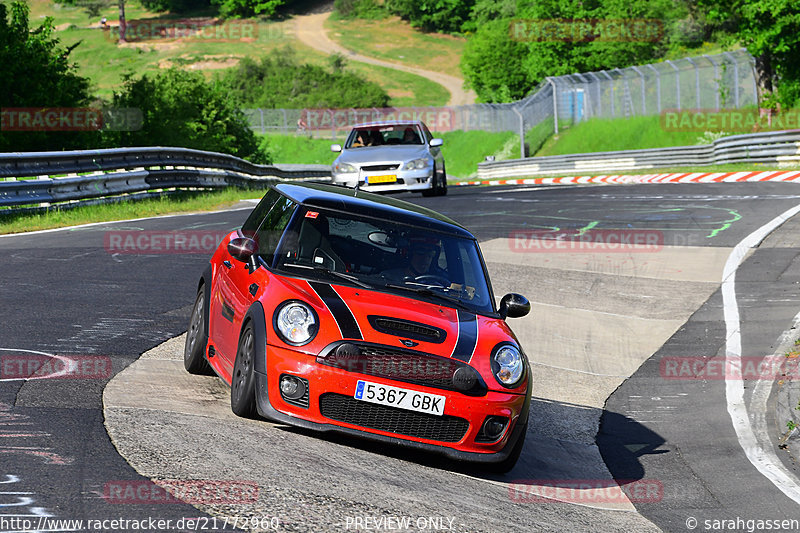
<point>244,363</point>
<point>195,323</point>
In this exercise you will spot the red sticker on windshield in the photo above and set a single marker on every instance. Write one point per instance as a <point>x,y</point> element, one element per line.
<point>311,214</point>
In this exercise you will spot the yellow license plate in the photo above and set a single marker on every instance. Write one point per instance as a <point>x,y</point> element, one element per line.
<point>389,178</point>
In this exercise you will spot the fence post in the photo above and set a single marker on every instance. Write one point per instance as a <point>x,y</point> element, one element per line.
<point>716,78</point>
<point>555,103</point>
<point>599,97</point>
<point>677,81</point>
<point>644,99</point>
<point>735,77</point>
<point>613,87</point>
<point>696,82</point>
<point>658,86</point>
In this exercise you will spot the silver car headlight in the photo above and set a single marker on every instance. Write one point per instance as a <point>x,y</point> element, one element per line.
<point>344,168</point>
<point>417,164</point>
<point>295,322</point>
<point>507,365</point>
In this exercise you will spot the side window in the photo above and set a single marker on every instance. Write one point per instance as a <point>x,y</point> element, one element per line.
<point>259,213</point>
<point>268,234</point>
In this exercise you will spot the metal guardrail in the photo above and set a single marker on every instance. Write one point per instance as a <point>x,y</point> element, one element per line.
<point>83,174</point>
<point>781,148</point>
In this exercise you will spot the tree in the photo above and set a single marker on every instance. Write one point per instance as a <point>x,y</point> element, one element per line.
<point>37,73</point>
<point>180,108</point>
<point>492,64</point>
<point>247,8</point>
<point>433,15</point>
<point>770,30</point>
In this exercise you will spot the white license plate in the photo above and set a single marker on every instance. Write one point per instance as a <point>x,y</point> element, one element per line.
<point>421,402</point>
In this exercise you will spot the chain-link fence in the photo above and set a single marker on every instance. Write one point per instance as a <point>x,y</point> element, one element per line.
<point>721,81</point>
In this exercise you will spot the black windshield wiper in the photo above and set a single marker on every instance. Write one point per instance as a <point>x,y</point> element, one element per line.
<point>340,275</point>
<point>427,291</point>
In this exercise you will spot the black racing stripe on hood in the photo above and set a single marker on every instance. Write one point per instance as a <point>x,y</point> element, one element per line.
<point>467,336</point>
<point>341,313</point>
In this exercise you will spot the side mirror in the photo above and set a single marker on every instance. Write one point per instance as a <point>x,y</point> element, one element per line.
<point>514,305</point>
<point>243,249</point>
<point>336,148</point>
<point>436,142</point>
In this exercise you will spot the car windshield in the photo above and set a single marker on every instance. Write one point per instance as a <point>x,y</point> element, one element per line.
<point>384,255</point>
<point>384,135</point>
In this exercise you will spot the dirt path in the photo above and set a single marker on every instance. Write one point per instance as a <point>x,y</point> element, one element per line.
<point>310,30</point>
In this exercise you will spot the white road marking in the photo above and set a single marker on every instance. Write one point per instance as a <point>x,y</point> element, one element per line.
<point>81,226</point>
<point>763,458</point>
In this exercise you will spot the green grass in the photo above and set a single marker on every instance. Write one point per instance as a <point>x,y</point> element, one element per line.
<point>604,135</point>
<point>177,203</point>
<point>404,89</point>
<point>392,39</point>
<point>463,150</point>
<point>291,149</point>
<point>104,62</point>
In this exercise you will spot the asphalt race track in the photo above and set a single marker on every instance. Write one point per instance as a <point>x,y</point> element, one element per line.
<point>606,333</point>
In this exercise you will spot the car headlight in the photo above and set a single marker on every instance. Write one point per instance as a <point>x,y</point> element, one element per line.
<point>507,365</point>
<point>344,168</point>
<point>417,164</point>
<point>295,322</point>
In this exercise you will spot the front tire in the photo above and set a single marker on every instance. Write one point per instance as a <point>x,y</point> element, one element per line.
<point>243,396</point>
<point>194,351</point>
<point>439,185</point>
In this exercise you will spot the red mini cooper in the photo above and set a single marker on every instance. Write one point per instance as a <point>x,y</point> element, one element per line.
<point>338,310</point>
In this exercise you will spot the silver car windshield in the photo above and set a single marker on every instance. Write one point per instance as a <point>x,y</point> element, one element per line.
<point>384,135</point>
<point>383,255</point>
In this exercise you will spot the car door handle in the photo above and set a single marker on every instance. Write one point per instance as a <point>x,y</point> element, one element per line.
<point>227,264</point>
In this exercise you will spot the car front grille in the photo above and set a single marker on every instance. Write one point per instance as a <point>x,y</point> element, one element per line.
<point>372,168</point>
<point>401,421</point>
<point>404,365</point>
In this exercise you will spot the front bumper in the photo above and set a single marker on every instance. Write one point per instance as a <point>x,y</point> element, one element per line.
<point>407,180</point>
<point>328,380</point>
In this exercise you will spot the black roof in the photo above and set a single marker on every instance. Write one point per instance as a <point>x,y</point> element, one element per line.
<point>371,205</point>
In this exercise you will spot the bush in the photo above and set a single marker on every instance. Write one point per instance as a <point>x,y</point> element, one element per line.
<point>180,108</point>
<point>363,9</point>
<point>433,15</point>
<point>247,8</point>
<point>281,82</point>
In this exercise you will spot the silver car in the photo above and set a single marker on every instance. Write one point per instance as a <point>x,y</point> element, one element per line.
<point>391,156</point>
